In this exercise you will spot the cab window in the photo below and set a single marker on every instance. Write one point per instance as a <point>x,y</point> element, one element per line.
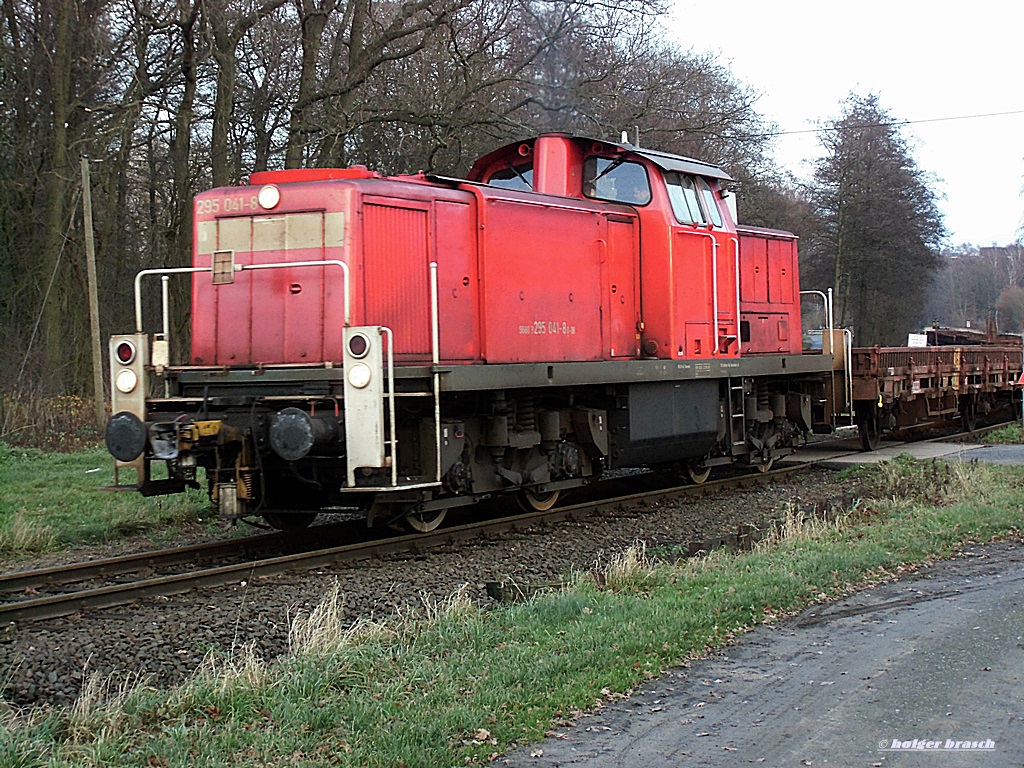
<point>513,177</point>
<point>682,191</point>
<point>616,180</point>
<point>710,203</point>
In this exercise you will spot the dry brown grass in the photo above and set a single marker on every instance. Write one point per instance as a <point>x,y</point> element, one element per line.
<point>22,535</point>
<point>62,424</point>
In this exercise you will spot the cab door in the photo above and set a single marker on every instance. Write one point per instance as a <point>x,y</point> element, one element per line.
<point>621,336</point>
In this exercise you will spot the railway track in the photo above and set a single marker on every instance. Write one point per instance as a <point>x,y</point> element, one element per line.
<point>964,437</point>
<point>261,555</point>
<point>241,550</point>
<point>22,606</point>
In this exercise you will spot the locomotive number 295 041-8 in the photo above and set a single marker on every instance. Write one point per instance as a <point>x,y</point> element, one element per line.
<point>540,327</point>
<point>233,204</point>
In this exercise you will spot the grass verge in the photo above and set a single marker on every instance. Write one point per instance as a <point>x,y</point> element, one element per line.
<point>455,685</point>
<point>54,500</point>
<point>1008,435</point>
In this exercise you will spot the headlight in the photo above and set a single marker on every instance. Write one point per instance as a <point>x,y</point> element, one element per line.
<point>358,345</point>
<point>125,352</point>
<point>126,381</point>
<point>268,197</point>
<point>359,375</point>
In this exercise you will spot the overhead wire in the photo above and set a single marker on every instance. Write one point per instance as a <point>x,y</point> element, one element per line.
<point>890,123</point>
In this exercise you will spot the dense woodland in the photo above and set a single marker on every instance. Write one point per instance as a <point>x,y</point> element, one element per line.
<point>170,97</point>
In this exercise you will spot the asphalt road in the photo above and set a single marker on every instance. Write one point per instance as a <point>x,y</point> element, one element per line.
<point>936,657</point>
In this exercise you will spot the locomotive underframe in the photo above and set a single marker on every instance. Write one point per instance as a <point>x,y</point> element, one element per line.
<point>535,429</point>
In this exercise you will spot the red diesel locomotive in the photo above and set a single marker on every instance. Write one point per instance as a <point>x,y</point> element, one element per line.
<point>409,344</point>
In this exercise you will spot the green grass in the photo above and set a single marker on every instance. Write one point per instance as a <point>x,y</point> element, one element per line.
<point>456,685</point>
<point>1012,434</point>
<point>50,501</point>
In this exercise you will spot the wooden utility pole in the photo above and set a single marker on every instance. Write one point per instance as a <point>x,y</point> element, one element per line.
<point>94,306</point>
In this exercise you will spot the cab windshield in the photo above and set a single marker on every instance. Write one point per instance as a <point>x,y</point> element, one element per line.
<point>616,180</point>
<point>513,177</point>
<point>693,200</point>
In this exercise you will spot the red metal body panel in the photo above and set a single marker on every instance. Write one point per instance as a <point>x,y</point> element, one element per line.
<point>691,326</point>
<point>679,288</point>
<point>621,288</point>
<point>769,292</point>
<point>396,258</point>
<point>267,316</point>
<point>458,280</point>
<point>552,163</point>
<point>522,276</point>
<point>541,281</point>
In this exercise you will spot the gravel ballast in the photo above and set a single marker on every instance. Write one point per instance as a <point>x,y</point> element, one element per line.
<point>164,640</point>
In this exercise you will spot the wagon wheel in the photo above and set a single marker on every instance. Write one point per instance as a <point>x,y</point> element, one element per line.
<point>698,473</point>
<point>869,429</point>
<point>969,413</point>
<point>424,521</point>
<point>289,521</point>
<point>530,500</point>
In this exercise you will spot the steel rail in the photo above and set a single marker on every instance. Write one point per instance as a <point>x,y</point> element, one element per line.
<point>17,581</point>
<point>54,606</point>
<point>71,573</point>
<point>966,436</point>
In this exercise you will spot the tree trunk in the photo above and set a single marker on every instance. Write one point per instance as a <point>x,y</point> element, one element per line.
<point>180,234</point>
<point>51,274</point>
<point>223,105</point>
<point>226,35</point>
<point>314,20</point>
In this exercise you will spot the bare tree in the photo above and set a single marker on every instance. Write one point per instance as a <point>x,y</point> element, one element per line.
<point>171,96</point>
<point>226,23</point>
<point>881,226</point>
<point>268,63</point>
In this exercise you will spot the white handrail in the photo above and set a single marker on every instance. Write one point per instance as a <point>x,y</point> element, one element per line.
<point>237,268</point>
<point>391,403</point>
<point>166,271</point>
<point>827,304</point>
<point>714,288</point>
<point>714,291</point>
<point>164,294</point>
<point>436,356</point>
<point>739,336</point>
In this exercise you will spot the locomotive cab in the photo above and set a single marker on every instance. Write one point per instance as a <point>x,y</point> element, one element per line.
<point>689,251</point>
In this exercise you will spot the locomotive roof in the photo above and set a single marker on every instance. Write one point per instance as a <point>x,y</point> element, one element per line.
<point>678,163</point>
<point>664,160</point>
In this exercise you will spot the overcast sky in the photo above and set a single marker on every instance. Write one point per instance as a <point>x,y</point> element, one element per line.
<point>927,61</point>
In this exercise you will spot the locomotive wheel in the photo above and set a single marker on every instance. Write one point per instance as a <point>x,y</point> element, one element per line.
<point>530,500</point>
<point>285,521</point>
<point>698,473</point>
<point>425,522</point>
